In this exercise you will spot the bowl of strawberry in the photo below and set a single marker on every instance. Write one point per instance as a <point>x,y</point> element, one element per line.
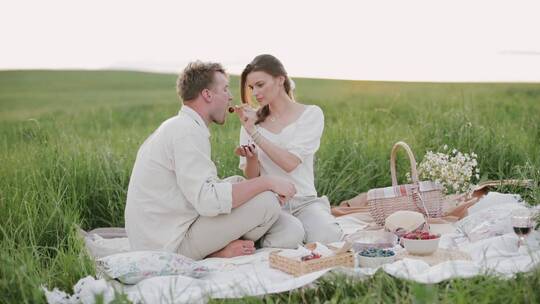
<point>420,242</point>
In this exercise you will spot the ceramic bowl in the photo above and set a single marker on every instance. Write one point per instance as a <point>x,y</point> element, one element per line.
<point>372,239</point>
<point>374,262</point>
<point>421,247</point>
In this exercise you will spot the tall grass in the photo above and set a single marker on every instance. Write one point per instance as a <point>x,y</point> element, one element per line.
<point>68,142</point>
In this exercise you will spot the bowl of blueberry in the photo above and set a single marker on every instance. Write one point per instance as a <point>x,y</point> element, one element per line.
<point>375,257</point>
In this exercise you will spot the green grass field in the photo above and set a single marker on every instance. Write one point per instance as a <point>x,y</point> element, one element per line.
<point>68,140</point>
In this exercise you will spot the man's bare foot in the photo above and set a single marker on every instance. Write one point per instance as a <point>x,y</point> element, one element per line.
<point>235,248</point>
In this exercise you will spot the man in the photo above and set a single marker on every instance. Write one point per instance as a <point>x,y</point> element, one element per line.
<point>175,200</point>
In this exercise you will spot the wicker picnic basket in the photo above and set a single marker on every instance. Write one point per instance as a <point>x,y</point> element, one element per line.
<point>298,268</point>
<point>425,197</point>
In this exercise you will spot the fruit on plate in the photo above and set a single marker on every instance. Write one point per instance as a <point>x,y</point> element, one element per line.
<point>311,256</point>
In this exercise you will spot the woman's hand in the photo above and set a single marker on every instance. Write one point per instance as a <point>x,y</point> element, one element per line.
<point>247,116</point>
<point>247,151</point>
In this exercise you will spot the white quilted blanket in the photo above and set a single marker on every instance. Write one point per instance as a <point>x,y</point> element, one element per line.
<point>492,252</point>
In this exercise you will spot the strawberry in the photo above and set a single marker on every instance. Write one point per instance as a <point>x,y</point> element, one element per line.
<point>311,256</point>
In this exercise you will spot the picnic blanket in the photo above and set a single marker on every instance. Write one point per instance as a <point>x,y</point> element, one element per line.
<point>493,252</point>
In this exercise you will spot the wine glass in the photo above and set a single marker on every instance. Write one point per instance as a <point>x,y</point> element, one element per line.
<point>522,223</point>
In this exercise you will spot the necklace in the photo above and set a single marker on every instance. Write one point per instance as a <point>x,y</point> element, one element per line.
<point>273,117</point>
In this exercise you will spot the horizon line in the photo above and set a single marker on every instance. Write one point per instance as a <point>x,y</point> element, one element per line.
<point>163,72</point>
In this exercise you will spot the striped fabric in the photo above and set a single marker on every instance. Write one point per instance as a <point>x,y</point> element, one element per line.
<point>402,190</point>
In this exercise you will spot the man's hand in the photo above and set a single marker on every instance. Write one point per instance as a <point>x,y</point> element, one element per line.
<point>283,188</point>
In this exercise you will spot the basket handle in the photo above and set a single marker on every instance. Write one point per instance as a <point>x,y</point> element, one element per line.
<point>414,173</point>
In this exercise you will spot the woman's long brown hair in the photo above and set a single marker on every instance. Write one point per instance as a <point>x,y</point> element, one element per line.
<point>270,65</point>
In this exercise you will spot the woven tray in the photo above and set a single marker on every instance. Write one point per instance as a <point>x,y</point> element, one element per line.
<point>298,268</point>
<point>439,256</point>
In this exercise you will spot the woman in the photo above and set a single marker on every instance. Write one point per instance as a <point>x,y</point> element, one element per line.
<point>281,139</point>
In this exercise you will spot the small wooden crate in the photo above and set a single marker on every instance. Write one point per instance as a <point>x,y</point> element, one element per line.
<point>298,268</point>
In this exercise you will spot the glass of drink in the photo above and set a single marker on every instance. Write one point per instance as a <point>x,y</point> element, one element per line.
<point>522,223</point>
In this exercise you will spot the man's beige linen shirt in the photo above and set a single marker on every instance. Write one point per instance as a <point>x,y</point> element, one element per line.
<point>173,182</point>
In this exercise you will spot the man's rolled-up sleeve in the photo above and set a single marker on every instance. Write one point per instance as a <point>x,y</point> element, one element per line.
<point>196,176</point>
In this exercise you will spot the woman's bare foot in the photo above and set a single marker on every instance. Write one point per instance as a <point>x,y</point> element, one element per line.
<point>235,248</point>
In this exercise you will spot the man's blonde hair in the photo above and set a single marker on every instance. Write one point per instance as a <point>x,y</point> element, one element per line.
<point>196,77</point>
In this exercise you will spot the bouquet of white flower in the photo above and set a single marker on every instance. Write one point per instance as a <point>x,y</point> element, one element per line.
<point>454,171</point>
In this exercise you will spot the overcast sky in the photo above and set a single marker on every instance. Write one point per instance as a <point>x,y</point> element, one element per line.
<point>364,40</point>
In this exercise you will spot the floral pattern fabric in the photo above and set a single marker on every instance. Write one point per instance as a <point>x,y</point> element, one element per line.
<point>133,267</point>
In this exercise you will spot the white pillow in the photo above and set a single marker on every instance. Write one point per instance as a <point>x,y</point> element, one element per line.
<point>132,267</point>
<point>492,221</point>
